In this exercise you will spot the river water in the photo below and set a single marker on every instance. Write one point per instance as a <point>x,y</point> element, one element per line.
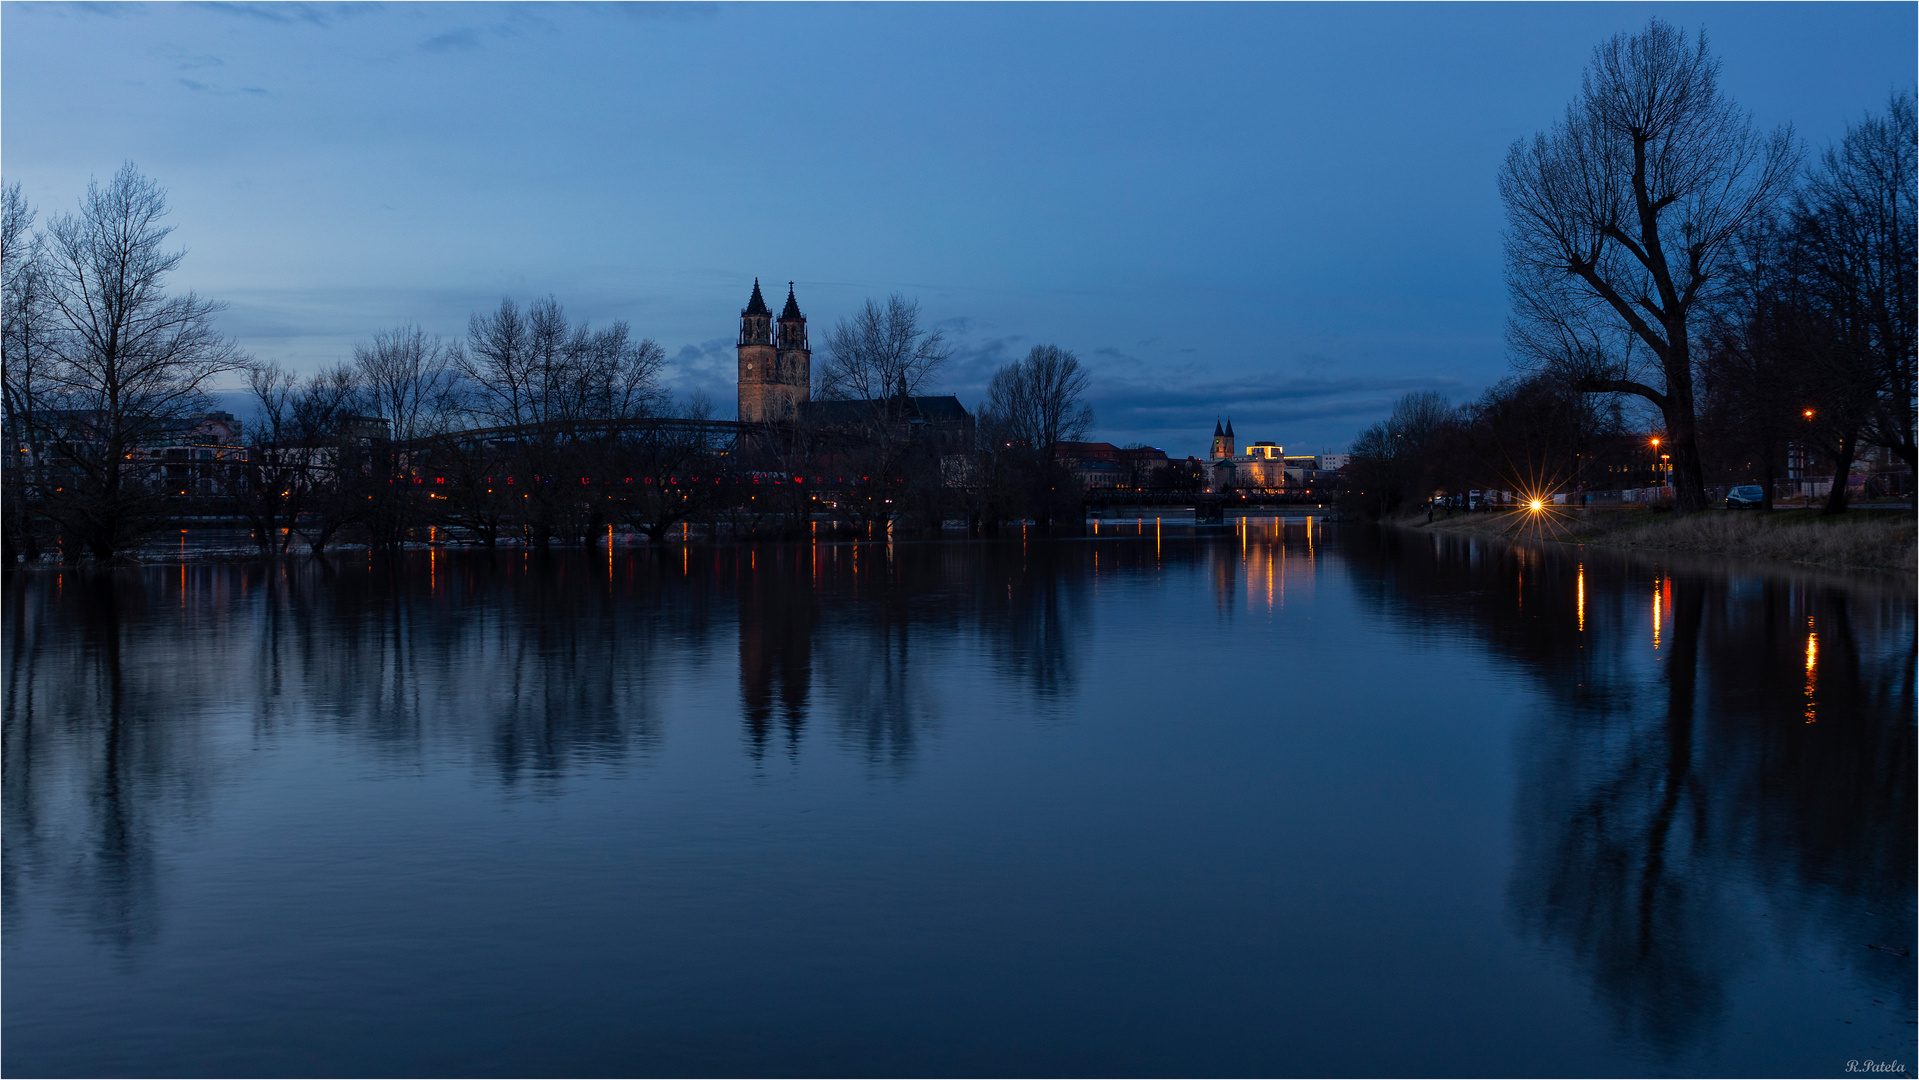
<point>1284,799</point>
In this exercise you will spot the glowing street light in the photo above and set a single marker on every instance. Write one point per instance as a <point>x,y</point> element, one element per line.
<point>1538,505</point>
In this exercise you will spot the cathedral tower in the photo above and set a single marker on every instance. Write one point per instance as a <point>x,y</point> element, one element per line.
<point>758,369</point>
<point>795,359</point>
<point>776,377</point>
<point>1222,442</point>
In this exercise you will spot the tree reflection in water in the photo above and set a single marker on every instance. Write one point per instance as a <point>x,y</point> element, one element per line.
<point>1717,751</point>
<point>1702,764</point>
<point>869,622</point>
<point>119,683</point>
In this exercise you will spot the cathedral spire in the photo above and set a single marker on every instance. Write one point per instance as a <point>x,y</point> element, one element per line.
<point>757,305</point>
<point>792,310</point>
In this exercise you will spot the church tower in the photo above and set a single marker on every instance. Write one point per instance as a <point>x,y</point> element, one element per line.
<point>758,368</point>
<point>1222,442</point>
<point>795,359</point>
<point>776,374</point>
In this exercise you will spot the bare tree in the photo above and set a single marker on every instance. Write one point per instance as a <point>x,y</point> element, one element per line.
<point>568,387</point>
<point>1753,382</point>
<point>539,368</point>
<point>408,379</point>
<point>346,458</point>
<point>878,361</point>
<point>1041,398</point>
<point>1396,460</point>
<point>1854,245</point>
<point>1035,404</point>
<point>129,362</point>
<point>25,329</point>
<point>1621,220</point>
<point>674,468</point>
<point>294,454</point>
<point>882,352</point>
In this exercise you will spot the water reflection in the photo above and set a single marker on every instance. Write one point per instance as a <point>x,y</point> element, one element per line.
<point>1670,795</point>
<point>1717,765</point>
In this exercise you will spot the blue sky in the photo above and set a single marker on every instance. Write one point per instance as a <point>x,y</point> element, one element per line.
<point>1286,213</point>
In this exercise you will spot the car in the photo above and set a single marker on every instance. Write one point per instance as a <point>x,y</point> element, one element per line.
<point>1746,497</point>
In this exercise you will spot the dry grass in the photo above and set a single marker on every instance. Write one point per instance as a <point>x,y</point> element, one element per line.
<point>1879,540</point>
<point>1864,539</point>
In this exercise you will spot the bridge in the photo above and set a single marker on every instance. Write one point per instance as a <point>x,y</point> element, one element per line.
<point>715,434</point>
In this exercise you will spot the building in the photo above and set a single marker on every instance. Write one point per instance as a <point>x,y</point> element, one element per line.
<point>1222,440</point>
<point>776,387</point>
<point>1266,466</point>
<point>1261,468</point>
<point>776,370</point>
<point>180,455</point>
<point>1104,465</point>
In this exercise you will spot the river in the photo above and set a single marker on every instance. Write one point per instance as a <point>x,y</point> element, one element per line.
<point>1286,798</point>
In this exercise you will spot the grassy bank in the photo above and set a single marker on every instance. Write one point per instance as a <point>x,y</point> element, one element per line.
<point>1861,539</point>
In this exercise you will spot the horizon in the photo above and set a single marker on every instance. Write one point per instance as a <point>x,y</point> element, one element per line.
<point>1286,215</point>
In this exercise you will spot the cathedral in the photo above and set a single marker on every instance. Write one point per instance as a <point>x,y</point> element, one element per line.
<point>776,385</point>
<point>1222,438</point>
<point>776,369</point>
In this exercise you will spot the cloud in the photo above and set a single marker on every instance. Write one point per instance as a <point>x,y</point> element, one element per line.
<point>312,14</point>
<point>1178,412</point>
<point>709,367</point>
<point>1266,391</point>
<point>199,87</point>
<point>972,364</point>
<point>104,9</point>
<point>461,40</point>
<point>666,11</point>
<point>184,60</point>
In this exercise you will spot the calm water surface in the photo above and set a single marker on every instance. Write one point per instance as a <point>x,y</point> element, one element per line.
<point>1288,800</point>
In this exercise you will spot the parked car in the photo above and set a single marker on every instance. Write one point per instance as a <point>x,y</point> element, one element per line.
<point>1747,497</point>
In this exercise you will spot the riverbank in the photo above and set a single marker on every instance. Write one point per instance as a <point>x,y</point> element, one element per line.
<point>1861,539</point>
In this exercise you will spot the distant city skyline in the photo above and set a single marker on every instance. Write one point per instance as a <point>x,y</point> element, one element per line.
<point>1286,214</point>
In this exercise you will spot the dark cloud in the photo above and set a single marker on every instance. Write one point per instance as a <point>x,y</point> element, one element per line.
<point>710,368</point>
<point>1178,413</point>
<point>460,40</point>
<point>1266,391</point>
<point>972,364</point>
